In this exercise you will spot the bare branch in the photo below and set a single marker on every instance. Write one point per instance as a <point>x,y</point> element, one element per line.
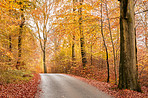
<point>141,12</point>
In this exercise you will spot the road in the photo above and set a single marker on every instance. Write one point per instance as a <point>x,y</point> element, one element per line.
<point>64,86</point>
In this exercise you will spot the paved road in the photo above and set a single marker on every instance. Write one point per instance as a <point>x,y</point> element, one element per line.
<point>64,86</point>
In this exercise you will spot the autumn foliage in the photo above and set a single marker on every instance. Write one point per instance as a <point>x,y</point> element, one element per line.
<point>65,36</point>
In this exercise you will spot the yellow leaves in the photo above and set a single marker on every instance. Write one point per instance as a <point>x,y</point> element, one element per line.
<point>13,4</point>
<point>8,5</point>
<point>2,5</point>
<point>87,7</point>
<point>5,52</point>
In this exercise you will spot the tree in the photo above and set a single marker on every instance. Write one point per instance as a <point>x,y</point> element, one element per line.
<point>20,34</point>
<point>73,37</point>
<point>127,68</point>
<point>104,43</point>
<point>110,32</point>
<point>82,42</point>
<point>41,20</point>
<point>23,4</point>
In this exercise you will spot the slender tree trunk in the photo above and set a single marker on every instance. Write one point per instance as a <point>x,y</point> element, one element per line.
<point>101,61</point>
<point>127,69</point>
<point>73,51</point>
<point>10,42</point>
<point>20,37</point>
<point>73,38</point>
<point>44,40</point>
<point>44,60</point>
<point>91,52</point>
<point>146,33</point>
<point>117,55</point>
<point>110,32</point>
<point>55,50</point>
<point>44,48</point>
<point>10,46</point>
<point>82,43</point>
<point>104,43</point>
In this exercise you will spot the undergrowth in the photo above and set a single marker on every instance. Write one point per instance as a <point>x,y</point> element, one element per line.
<point>14,76</point>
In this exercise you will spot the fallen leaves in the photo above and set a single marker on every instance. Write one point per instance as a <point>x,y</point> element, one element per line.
<point>112,90</point>
<point>21,90</point>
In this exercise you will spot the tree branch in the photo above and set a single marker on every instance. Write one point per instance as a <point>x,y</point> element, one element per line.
<point>141,12</point>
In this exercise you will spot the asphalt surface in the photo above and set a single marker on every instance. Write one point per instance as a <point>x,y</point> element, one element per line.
<point>64,86</point>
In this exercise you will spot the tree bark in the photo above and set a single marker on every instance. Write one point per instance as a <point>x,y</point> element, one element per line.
<point>10,47</point>
<point>110,32</point>
<point>73,51</point>
<point>104,44</point>
<point>127,67</point>
<point>44,60</point>
<point>91,52</point>
<point>146,34</point>
<point>82,43</point>
<point>44,48</point>
<point>73,38</point>
<point>10,39</point>
<point>20,37</point>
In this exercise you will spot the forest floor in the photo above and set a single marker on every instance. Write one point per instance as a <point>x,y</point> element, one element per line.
<point>21,89</point>
<point>30,88</point>
<point>112,89</point>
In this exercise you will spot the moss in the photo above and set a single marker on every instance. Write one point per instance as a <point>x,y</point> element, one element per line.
<point>14,76</point>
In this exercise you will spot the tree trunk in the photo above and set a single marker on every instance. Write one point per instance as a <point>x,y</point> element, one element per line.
<point>73,38</point>
<point>10,46</point>
<point>82,43</point>
<point>73,51</point>
<point>44,60</point>
<point>127,68</point>
<point>10,40</point>
<point>146,34</point>
<point>104,44</point>
<point>44,49</point>
<point>20,37</point>
<point>110,32</point>
<point>91,52</point>
<point>55,50</point>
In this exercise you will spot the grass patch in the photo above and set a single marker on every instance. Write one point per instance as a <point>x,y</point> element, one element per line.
<point>14,76</point>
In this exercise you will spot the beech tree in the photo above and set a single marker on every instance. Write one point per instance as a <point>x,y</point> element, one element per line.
<point>110,32</point>
<point>82,42</point>
<point>20,34</point>
<point>128,73</point>
<point>104,43</point>
<point>41,25</point>
<point>73,37</point>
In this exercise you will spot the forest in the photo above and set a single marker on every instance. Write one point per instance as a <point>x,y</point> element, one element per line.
<point>99,40</point>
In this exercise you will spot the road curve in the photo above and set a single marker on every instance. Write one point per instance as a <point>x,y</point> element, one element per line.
<point>64,86</point>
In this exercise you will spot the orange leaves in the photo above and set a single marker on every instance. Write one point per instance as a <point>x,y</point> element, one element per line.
<point>9,4</point>
<point>5,52</point>
<point>87,7</point>
<point>2,5</point>
<point>27,90</point>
